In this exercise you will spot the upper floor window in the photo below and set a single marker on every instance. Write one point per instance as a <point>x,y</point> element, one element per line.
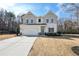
<point>47,20</point>
<point>27,21</point>
<point>39,20</point>
<point>51,20</point>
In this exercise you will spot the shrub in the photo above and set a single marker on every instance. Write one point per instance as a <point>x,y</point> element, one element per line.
<point>52,34</point>
<point>41,33</point>
<point>71,31</point>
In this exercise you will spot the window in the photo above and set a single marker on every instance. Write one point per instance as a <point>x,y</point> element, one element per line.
<point>51,30</point>
<point>27,21</point>
<point>51,20</point>
<point>39,20</point>
<point>47,20</point>
<point>31,20</point>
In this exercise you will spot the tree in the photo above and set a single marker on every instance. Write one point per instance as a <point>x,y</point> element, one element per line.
<point>68,24</point>
<point>7,21</point>
<point>72,9</point>
<point>60,25</point>
<point>10,17</point>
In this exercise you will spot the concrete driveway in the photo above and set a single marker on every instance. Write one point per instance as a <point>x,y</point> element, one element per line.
<point>17,46</point>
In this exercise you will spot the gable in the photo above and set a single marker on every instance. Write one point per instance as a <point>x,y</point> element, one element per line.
<point>28,15</point>
<point>50,14</point>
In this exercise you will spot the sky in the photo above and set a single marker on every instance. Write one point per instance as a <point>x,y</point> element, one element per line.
<point>38,9</point>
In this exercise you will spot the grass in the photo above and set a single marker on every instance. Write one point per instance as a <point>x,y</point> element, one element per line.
<point>54,46</point>
<point>6,36</point>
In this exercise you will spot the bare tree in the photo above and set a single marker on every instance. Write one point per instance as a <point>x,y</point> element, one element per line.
<point>72,9</point>
<point>7,21</point>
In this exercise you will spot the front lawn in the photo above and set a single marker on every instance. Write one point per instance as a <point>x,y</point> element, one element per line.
<point>6,36</point>
<point>54,46</point>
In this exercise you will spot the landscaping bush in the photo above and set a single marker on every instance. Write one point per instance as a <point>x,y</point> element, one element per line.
<point>53,34</point>
<point>59,33</point>
<point>41,33</point>
<point>18,30</point>
<point>71,31</point>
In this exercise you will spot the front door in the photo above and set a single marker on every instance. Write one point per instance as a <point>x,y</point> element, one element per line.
<point>42,29</point>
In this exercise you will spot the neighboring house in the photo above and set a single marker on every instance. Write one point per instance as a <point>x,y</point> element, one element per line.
<point>68,25</point>
<point>33,25</point>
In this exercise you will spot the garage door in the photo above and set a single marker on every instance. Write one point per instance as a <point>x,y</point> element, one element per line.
<point>30,30</point>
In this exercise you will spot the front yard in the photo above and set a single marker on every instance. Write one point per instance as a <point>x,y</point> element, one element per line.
<point>51,46</point>
<point>6,36</point>
<point>54,46</point>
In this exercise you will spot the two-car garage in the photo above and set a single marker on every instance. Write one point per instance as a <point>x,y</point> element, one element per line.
<point>30,29</point>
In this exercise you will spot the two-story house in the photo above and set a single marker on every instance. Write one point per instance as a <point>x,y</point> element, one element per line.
<point>33,25</point>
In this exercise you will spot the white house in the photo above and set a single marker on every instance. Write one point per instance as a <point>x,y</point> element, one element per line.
<point>33,25</point>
